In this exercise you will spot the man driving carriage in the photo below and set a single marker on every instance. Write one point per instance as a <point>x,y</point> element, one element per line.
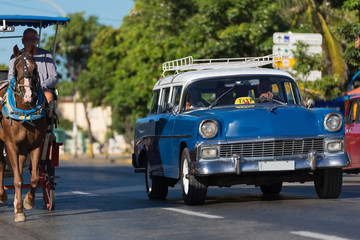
<point>31,78</point>
<point>45,65</point>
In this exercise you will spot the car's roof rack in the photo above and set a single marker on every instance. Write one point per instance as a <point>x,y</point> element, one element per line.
<point>188,63</point>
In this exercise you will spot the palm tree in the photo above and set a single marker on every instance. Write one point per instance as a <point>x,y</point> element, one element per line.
<point>315,15</point>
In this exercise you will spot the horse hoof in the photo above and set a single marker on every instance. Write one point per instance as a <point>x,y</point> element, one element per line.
<point>19,217</point>
<point>27,203</point>
<point>4,198</point>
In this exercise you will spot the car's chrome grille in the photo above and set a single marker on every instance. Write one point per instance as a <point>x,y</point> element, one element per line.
<point>271,148</point>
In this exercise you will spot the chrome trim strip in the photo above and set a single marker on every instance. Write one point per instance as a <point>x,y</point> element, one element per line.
<point>262,139</point>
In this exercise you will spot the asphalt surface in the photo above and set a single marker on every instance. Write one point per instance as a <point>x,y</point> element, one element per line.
<point>105,199</point>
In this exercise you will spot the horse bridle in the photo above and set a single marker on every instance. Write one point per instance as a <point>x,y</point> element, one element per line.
<point>35,76</point>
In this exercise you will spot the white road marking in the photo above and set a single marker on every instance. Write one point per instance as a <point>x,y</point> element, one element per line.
<point>75,193</point>
<point>193,213</point>
<point>104,191</point>
<point>80,193</point>
<point>320,236</point>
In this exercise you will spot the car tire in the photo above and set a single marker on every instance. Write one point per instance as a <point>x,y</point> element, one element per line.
<point>271,189</point>
<point>156,187</point>
<point>328,183</point>
<point>193,188</point>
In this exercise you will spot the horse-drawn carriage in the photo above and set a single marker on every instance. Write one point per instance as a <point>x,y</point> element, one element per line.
<point>26,122</point>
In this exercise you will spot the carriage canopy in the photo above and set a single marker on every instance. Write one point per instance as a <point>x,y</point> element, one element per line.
<point>32,21</point>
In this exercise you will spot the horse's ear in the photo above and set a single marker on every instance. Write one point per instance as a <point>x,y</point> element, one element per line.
<point>32,50</point>
<point>16,51</point>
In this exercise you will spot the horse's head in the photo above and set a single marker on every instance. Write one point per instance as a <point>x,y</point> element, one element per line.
<point>26,75</point>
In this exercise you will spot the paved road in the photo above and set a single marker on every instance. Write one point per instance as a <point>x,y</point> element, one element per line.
<point>97,201</point>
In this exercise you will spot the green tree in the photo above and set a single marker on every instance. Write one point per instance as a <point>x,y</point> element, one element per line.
<point>4,67</point>
<point>73,46</point>
<point>318,16</point>
<point>65,87</point>
<point>350,34</point>
<point>126,62</point>
<point>325,88</point>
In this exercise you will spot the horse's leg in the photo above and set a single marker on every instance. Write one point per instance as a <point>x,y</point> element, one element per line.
<point>18,182</point>
<point>3,195</point>
<point>29,200</point>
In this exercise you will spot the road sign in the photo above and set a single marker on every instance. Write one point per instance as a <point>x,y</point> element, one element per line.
<point>287,50</point>
<point>285,63</point>
<point>285,44</point>
<point>292,38</point>
<point>312,76</point>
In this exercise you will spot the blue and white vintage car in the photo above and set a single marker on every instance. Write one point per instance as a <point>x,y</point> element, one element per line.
<point>220,122</point>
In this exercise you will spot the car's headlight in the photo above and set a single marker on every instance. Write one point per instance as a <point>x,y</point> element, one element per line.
<point>208,128</point>
<point>333,122</point>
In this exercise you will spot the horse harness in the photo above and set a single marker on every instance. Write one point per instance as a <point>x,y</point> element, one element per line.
<point>35,77</point>
<point>8,104</point>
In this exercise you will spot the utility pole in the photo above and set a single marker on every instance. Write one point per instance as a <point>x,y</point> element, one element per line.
<point>75,125</point>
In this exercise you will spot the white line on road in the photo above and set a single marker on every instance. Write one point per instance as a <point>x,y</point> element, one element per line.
<point>80,193</point>
<point>104,191</point>
<point>320,236</point>
<point>193,213</point>
<point>75,193</point>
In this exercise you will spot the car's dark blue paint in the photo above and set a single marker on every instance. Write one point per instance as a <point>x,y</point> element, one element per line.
<point>236,126</point>
<point>163,146</point>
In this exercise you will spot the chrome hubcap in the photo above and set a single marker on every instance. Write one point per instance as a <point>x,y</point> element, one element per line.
<point>185,180</point>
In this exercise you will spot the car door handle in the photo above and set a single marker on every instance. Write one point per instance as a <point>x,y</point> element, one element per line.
<point>150,121</point>
<point>162,119</point>
<point>347,130</point>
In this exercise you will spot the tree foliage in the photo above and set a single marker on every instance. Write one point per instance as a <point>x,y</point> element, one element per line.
<point>74,47</point>
<point>123,64</point>
<point>318,16</point>
<point>350,34</point>
<point>325,88</point>
<point>126,62</point>
<point>4,67</point>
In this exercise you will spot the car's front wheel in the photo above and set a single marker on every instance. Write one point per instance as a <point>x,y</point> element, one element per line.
<point>328,183</point>
<point>271,189</point>
<point>193,188</point>
<point>156,187</point>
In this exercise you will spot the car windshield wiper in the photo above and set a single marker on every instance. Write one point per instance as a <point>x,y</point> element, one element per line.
<point>219,98</point>
<point>266,99</point>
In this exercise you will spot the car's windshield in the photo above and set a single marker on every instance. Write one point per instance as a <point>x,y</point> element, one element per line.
<point>240,90</point>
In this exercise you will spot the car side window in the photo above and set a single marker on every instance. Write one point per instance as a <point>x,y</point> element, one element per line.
<point>176,97</point>
<point>353,113</point>
<point>154,102</point>
<point>164,99</point>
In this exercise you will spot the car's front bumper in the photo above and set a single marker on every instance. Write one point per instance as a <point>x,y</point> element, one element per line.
<point>237,165</point>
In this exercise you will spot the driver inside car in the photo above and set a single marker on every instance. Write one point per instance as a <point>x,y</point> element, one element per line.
<point>265,90</point>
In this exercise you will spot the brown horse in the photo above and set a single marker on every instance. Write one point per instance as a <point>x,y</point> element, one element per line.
<point>22,138</point>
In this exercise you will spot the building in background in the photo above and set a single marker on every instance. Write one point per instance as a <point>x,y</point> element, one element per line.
<point>100,118</point>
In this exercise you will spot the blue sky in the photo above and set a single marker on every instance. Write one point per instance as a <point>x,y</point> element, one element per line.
<point>109,12</point>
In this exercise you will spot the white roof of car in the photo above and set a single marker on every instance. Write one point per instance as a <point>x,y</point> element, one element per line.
<point>185,77</point>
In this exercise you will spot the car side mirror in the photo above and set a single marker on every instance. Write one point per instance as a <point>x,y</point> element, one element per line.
<point>170,108</point>
<point>310,103</point>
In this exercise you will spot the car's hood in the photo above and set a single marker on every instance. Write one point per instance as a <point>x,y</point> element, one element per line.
<point>270,121</point>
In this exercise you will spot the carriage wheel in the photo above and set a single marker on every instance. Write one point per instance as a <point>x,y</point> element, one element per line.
<point>49,185</point>
<point>49,198</point>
